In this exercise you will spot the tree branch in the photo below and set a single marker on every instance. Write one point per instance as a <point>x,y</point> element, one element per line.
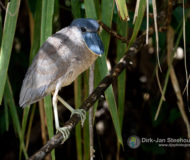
<point>113,33</point>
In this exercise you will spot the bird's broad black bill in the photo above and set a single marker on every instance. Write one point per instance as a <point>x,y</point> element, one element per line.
<point>94,43</point>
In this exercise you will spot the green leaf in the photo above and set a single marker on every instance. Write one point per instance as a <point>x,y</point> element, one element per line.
<point>107,15</point>
<point>178,14</point>
<point>1,28</point>
<point>46,19</point>
<point>37,30</point>
<point>78,136</point>
<point>46,31</point>
<point>7,41</point>
<point>49,115</point>
<point>34,48</point>
<point>86,139</point>
<point>138,22</point>
<point>76,11</point>
<point>75,8</point>
<point>14,115</point>
<point>6,115</point>
<point>96,82</point>
<point>122,9</point>
<point>121,82</point>
<point>24,123</point>
<point>86,142</point>
<point>25,119</point>
<point>32,6</point>
<point>90,9</point>
<point>78,100</point>
<point>4,119</point>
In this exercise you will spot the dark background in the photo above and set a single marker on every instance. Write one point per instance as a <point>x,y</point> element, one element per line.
<point>141,99</point>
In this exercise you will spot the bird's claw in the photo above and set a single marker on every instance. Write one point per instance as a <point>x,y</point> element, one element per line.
<point>81,113</point>
<point>65,131</point>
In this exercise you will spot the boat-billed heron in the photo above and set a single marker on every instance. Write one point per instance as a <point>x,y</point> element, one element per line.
<point>59,61</point>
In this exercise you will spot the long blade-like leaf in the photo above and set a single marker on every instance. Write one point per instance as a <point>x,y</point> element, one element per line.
<point>35,19</point>
<point>46,31</point>
<point>122,9</point>
<point>90,10</point>
<point>86,124</point>
<point>1,28</point>
<point>14,115</point>
<point>138,22</point>
<point>107,15</point>
<point>7,41</point>
<point>76,11</point>
<point>78,100</point>
<point>37,30</point>
<point>75,6</point>
<point>121,83</point>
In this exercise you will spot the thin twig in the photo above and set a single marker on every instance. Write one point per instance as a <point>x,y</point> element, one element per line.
<point>136,11</point>
<point>113,33</point>
<point>159,84</point>
<point>185,57</point>
<point>125,39</point>
<point>167,24</point>
<point>2,5</point>
<point>186,84</point>
<point>174,80</point>
<point>93,97</point>
<point>147,20</point>
<point>7,8</point>
<point>156,32</point>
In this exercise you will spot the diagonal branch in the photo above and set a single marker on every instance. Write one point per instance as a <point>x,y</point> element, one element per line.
<point>93,97</point>
<point>113,33</point>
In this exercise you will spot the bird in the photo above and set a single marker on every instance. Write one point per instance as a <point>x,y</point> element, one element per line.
<point>59,61</point>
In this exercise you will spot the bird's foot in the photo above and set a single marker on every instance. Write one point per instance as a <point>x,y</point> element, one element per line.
<point>65,131</point>
<point>81,113</point>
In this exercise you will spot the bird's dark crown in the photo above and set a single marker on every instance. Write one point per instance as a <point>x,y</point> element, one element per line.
<point>86,24</point>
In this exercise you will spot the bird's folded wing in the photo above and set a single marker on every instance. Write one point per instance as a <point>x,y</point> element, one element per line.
<point>48,66</point>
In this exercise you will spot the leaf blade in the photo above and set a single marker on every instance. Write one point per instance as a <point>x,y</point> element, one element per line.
<point>7,41</point>
<point>46,31</point>
<point>107,16</point>
<point>122,9</point>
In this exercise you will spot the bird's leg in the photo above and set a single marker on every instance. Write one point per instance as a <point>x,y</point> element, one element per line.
<point>80,112</point>
<point>65,131</point>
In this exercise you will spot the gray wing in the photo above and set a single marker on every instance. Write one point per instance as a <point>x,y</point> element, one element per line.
<point>50,63</point>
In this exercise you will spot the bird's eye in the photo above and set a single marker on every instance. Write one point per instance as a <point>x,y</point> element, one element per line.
<point>83,29</point>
